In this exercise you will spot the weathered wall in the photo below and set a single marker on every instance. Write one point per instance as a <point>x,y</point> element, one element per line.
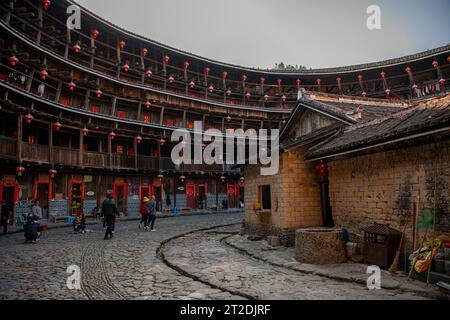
<point>295,197</point>
<point>379,187</point>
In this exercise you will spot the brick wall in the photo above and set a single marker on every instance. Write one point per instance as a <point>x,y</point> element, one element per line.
<point>379,187</point>
<point>295,198</point>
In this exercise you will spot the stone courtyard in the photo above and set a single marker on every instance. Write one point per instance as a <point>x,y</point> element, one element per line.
<point>188,258</point>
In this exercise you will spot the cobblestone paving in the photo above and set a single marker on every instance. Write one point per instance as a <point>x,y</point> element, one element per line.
<point>207,255</point>
<point>126,267</point>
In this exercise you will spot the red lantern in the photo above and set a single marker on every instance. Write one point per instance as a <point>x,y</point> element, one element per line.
<point>242,179</point>
<point>279,82</point>
<point>138,139</point>
<point>321,168</point>
<point>162,141</point>
<point>408,70</point>
<point>211,88</point>
<point>228,118</point>
<point>244,78</point>
<point>98,93</point>
<point>383,74</point>
<point>364,93</point>
<point>13,60</point>
<point>222,178</point>
<point>166,59</point>
<point>20,170</point>
<point>46,4</point>
<point>126,67</point>
<point>52,173</point>
<point>338,80</point>
<point>266,98</point>
<point>160,177</point>
<point>28,118</point>
<point>43,74</point>
<point>318,81</point>
<point>112,135</point>
<point>283,98</point>
<point>207,70</point>
<point>388,91</point>
<point>171,79</point>
<point>442,81</point>
<point>182,178</point>
<point>144,51</point>
<point>148,73</point>
<point>76,47</point>
<point>71,85</point>
<point>148,104</point>
<point>298,82</point>
<point>248,95</point>
<point>57,126</point>
<point>192,84</point>
<point>94,33</point>
<point>122,44</point>
<point>186,65</point>
<point>228,92</point>
<point>225,74</point>
<point>262,80</point>
<point>435,64</point>
<point>360,77</point>
<point>85,131</point>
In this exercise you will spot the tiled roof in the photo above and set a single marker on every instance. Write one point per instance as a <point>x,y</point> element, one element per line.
<point>421,117</point>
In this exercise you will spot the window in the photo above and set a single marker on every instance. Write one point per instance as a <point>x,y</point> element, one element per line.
<point>264,197</point>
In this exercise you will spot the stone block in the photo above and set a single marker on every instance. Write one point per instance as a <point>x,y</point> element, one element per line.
<point>273,241</point>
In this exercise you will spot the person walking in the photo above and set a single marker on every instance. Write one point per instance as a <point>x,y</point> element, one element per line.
<point>151,207</point>
<point>5,216</point>
<point>109,211</point>
<point>143,210</point>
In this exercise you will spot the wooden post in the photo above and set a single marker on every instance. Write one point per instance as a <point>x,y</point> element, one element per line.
<point>138,117</point>
<point>80,155</point>
<point>243,124</point>
<point>58,91</point>
<point>69,40</point>
<point>135,145</point>
<point>30,80</point>
<point>8,13</point>
<point>223,124</point>
<point>92,52</point>
<point>19,137</point>
<point>41,25</point>
<point>161,116</point>
<point>110,152</point>
<point>50,144</point>
<point>184,119</point>
<point>113,107</point>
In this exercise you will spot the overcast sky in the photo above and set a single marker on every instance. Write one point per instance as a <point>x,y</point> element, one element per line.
<point>260,33</point>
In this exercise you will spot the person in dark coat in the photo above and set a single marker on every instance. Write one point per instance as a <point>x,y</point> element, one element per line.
<point>109,211</point>
<point>31,228</point>
<point>5,215</point>
<point>151,208</point>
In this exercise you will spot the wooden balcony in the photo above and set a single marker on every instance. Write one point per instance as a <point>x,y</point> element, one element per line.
<point>95,159</point>
<point>65,156</point>
<point>8,147</point>
<point>123,161</point>
<point>35,152</point>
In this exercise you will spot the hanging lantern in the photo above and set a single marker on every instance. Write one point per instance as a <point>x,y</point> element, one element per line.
<point>364,93</point>
<point>266,98</point>
<point>122,44</point>
<point>98,93</point>
<point>207,70</point>
<point>148,104</point>
<point>383,74</point>
<point>408,70</point>
<point>76,47</point>
<point>148,73</point>
<point>360,77</point>
<point>338,80</point>
<point>192,84</point>
<point>43,74</point>
<point>388,91</point>
<point>228,92</point>
<point>244,77</point>
<point>248,95</point>
<point>160,177</point>
<point>20,170</point>
<point>298,82</point>
<point>182,178</point>
<point>442,81</point>
<point>166,59</point>
<point>112,135</point>
<point>211,88</point>
<point>321,168</point>
<point>225,74</point>
<point>144,51</point>
<point>223,178</point>
<point>126,67</point>
<point>279,82</point>
<point>171,79</point>
<point>186,65</point>
<point>138,139</point>
<point>318,81</point>
<point>435,64</point>
<point>85,131</point>
<point>52,173</point>
<point>94,33</point>
<point>71,85</point>
<point>228,118</point>
<point>242,179</point>
<point>162,141</point>
<point>13,61</point>
<point>28,118</point>
<point>283,98</point>
<point>57,126</point>
<point>414,86</point>
<point>46,4</point>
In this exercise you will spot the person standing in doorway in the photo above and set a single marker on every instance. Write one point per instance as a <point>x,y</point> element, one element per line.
<point>151,207</point>
<point>109,211</point>
<point>5,215</point>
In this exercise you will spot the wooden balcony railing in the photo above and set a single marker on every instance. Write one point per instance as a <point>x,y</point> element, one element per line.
<point>35,152</point>
<point>8,147</point>
<point>65,156</point>
<point>95,159</point>
<point>122,161</point>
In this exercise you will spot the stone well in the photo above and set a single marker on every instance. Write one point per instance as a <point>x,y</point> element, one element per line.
<point>320,246</point>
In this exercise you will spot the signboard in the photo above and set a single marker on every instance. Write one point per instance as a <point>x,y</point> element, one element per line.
<point>88,178</point>
<point>90,194</point>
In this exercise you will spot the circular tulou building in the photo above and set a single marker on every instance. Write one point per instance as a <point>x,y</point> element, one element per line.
<point>88,110</point>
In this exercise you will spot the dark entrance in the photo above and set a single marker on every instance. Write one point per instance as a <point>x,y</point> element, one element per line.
<point>327,214</point>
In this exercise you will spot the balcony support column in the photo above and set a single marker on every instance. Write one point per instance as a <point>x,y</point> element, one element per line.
<point>50,144</point>
<point>19,137</point>
<point>110,156</point>
<point>41,25</point>
<point>80,155</point>
<point>135,146</point>
<point>161,116</point>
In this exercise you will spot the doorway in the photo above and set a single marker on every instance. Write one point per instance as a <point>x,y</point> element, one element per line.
<point>158,193</point>
<point>42,192</point>
<point>201,196</point>
<point>76,195</point>
<point>327,214</point>
<point>145,191</point>
<point>120,192</point>
<point>9,192</point>
<point>190,196</point>
<point>231,194</point>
